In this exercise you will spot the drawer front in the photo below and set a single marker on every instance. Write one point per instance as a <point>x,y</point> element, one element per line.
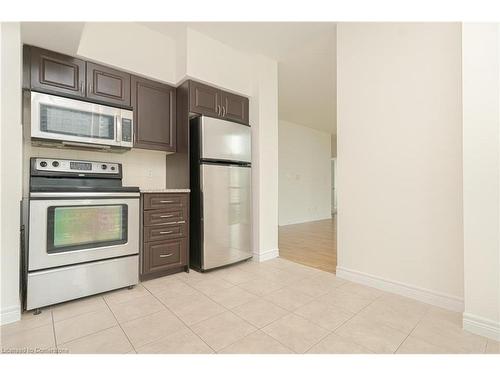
<point>166,216</point>
<point>156,201</point>
<point>164,232</point>
<point>159,256</point>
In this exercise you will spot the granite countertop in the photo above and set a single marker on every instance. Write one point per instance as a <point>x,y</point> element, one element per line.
<point>163,190</point>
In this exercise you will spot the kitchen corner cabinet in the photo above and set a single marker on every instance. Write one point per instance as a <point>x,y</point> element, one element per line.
<point>165,234</point>
<point>154,106</point>
<point>210,101</point>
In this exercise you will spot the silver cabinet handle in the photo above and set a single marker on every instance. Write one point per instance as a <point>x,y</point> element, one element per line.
<point>166,255</point>
<point>223,111</point>
<point>172,223</point>
<point>165,216</point>
<point>167,232</point>
<point>218,109</point>
<point>166,201</point>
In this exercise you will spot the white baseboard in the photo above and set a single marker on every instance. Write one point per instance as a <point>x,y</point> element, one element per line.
<point>306,220</point>
<point>10,314</point>
<point>424,295</point>
<point>266,255</point>
<point>481,326</point>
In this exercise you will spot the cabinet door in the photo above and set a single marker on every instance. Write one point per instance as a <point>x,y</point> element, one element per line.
<point>154,115</point>
<point>234,107</point>
<point>204,99</point>
<point>108,85</point>
<point>55,73</point>
<point>164,255</point>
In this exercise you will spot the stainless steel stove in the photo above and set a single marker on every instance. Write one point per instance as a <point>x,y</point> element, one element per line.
<point>83,231</point>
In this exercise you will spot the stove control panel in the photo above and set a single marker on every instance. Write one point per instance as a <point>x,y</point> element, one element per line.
<point>76,166</point>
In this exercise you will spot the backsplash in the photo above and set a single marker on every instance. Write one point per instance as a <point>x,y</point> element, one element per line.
<point>142,168</point>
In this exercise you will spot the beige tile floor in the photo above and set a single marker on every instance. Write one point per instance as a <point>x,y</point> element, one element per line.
<point>272,307</point>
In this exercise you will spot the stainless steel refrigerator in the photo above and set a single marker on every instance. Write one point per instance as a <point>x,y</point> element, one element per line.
<point>221,196</point>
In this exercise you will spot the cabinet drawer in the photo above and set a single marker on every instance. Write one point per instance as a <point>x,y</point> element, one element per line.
<point>164,232</point>
<point>163,255</point>
<point>165,216</point>
<point>152,201</point>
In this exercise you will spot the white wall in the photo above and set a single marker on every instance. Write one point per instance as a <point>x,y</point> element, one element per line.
<point>217,63</point>
<point>481,160</point>
<point>304,174</point>
<point>11,169</point>
<point>130,46</point>
<point>264,121</point>
<point>334,145</point>
<point>400,158</point>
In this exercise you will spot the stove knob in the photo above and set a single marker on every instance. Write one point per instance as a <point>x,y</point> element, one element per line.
<point>55,163</point>
<point>43,164</point>
<point>104,166</point>
<point>113,168</point>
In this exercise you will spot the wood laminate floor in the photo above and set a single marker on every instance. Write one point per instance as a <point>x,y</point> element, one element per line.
<point>313,244</point>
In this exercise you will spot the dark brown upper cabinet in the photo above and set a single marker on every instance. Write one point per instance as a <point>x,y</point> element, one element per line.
<point>210,101</point>
<point>56,73</point>
<point>154,115</point>
<point>235,107</point>
<point>108,85</point>
<point>204,99</point>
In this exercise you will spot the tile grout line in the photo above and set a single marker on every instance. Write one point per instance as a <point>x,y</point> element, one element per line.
<point>119,325</point>
<point>182,321</point>
<point>54,330</point>
<point>348,320</point>
<point>103,329</point>
<point>93,333</point>
<point>413,329</point>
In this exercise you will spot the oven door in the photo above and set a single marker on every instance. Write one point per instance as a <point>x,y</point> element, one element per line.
<point>69,120</point>
<point>72,228</point>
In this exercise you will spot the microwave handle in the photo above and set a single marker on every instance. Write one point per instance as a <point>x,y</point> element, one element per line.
<point>118,128</point>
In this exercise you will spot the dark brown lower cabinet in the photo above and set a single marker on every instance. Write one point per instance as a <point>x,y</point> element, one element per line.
<point>165,234</point>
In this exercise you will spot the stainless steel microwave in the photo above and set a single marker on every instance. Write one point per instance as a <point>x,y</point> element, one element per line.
<point>75,123</point>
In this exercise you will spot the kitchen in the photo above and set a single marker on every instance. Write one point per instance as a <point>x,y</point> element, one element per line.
<point>114,146</point>
<point>151,116</point>
<point>168,172</point>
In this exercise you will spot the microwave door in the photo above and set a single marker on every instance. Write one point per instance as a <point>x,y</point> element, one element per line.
<point>68,120</point>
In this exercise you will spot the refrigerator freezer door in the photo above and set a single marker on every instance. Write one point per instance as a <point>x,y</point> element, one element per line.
<point>226,192</point>
<point>225,140</point>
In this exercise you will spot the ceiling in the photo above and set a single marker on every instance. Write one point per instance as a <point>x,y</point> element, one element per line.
<point>306,55</point>
<point>305,51</point>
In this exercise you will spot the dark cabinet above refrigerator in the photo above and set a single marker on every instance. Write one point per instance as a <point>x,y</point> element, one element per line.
<point>210,101</point>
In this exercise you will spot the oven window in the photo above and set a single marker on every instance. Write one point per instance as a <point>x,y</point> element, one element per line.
<point>62,120</point>
<point>81,227</point>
